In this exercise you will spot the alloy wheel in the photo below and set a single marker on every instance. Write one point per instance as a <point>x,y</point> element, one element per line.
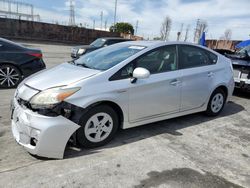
<point>217,102</point>
<point>9,76</point>
<point>98,127</point>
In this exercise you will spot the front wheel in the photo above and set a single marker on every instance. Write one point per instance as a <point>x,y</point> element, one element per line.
<point>98,126</point>
<point>216,102</point>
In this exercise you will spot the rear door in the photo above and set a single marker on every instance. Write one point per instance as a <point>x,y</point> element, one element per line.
<point>197,69</point>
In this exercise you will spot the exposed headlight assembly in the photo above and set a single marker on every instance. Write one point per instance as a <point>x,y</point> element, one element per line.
<point>50,97</point>
<point>81,51</point>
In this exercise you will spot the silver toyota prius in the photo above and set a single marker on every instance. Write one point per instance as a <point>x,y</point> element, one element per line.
<point>119,86</point>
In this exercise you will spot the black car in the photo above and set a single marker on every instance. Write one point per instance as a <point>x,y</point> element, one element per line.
<point>17,62</point>
<point>224,51</point>
<point>241,66</point>
<point>77,51</point>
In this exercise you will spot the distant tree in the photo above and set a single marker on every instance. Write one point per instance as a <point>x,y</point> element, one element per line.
<point>201,26</point>
<point>122,27</point>
<point>165,28</point>
<point>228,34</point>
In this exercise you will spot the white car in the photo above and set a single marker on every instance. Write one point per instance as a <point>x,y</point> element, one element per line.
<point>119,86</point>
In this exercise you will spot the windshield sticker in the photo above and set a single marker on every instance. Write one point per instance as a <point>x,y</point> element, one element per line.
<point>137,47</point>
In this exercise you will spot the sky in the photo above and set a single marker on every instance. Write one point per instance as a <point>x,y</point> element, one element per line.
<point>219,14</point>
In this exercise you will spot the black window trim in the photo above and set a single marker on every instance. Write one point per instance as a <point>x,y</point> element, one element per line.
<point>111,78</point>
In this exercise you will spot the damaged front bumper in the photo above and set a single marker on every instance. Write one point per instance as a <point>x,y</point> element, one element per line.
<point>242,79</point>
<point>39,134</point>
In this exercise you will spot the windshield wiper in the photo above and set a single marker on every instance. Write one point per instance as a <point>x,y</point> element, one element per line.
<point>72,61</point>
<point>83,65</point>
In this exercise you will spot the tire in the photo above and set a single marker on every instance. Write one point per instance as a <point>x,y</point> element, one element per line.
<point>216,102</point>
<point>95,132</point>
<point>10,76</point>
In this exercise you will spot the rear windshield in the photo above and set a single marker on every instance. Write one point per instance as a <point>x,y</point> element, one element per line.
<point>107,57</point>
<point>98,43</point>
<point>10,43</point>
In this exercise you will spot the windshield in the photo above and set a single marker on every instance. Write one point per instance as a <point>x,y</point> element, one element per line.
<point>105,58</point>
<point>243,50</point>
<point>98,43</point>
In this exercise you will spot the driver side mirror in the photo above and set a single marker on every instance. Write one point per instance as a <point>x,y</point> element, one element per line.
<point>140,73</point>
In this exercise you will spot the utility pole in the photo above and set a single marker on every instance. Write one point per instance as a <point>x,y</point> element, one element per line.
<point>115,12</point>
<point>197,30</point>
<point>179,33</point>
<point>72,13</point>
<point>93,24</point>
<point>186,35</point>
<point>105,25</point>
<point>136,27</point>
<point>32,12</point>
<point>101,18</point>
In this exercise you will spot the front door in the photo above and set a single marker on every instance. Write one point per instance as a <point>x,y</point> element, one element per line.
<point>159,94</point>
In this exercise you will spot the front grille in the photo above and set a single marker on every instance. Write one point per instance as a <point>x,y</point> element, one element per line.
<point>23,103</point>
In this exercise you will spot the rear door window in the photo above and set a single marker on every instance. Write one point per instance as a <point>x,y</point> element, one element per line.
<point>192,56</point>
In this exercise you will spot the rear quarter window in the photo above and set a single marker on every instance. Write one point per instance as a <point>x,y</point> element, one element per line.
<point>213,58</point>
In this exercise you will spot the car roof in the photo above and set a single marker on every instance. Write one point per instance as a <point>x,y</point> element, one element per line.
<point>158,43</point>
<point>115,38</point>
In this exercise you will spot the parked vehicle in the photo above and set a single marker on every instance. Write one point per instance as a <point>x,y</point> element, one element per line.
<point>224,51</point>
<point>78,51</point>
<point>120,86</point>
<point>241,66</point>
<point>17,62</point>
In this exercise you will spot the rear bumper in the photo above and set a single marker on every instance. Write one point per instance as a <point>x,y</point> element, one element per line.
<point>32,67</point>
<point>41,135</point>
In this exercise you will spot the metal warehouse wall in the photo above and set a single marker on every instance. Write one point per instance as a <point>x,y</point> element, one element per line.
<point>37,31</point>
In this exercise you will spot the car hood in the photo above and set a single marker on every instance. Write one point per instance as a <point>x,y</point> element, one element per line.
<point>239,62</point>
<point>85,47</point>
<point>60,75</point>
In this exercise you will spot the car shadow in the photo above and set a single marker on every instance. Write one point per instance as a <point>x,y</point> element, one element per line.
<point>171,127</point>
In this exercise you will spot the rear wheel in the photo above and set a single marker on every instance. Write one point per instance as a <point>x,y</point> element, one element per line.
<point>98,126</point>
<point>216,102</point>
<point>10,76</point>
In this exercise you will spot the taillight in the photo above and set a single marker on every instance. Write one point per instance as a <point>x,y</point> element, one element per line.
<point>38,55</point>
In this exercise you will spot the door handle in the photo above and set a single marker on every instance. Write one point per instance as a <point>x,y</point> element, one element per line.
<point>121,91</point>
<point>210,74</point>
<point>175,82</point>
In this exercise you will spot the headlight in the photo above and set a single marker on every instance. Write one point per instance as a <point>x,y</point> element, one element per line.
<point>81,51</point>
<point>50,97</point>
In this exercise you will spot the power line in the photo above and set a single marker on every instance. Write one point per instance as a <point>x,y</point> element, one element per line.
<point>13,10</point>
